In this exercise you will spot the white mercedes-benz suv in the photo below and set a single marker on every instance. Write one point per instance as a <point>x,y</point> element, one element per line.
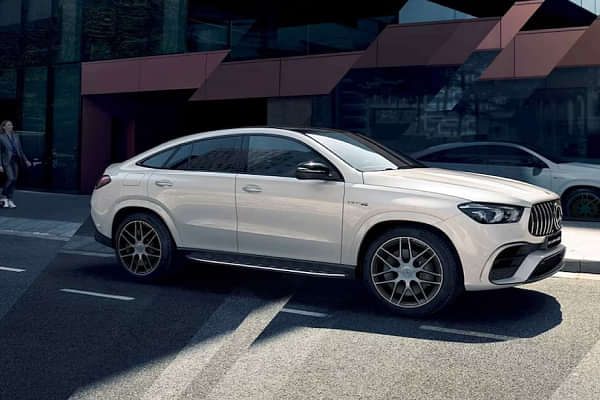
<point>326,203</point>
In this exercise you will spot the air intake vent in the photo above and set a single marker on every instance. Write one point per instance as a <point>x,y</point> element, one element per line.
<point>546,218</point>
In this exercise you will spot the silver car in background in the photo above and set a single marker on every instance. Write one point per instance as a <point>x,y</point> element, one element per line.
<point>578,184</point>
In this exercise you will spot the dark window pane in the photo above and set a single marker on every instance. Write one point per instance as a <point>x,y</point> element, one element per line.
<point>216,155</point>
<point>10,29</point>
<point>181,158</point>
<point>158,160</point>
<point>275,156</point>
<point>65,126</point>
<point>37,32</point>
<point>66,40</point>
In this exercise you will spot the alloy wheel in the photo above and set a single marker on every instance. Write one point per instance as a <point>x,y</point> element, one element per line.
<point>139,248</point>
<point>584,205</point>
<point>406,272</point>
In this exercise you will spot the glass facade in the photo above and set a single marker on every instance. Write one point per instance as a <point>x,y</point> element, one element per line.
<point>278,31</point>
<point>590,5</point>
<point>411,109</point>
<point>427,11</point>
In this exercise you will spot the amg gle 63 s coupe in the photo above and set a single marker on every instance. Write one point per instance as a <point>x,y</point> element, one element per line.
<point>326,203</point>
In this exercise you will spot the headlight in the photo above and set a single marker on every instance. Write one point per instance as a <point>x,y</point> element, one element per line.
<point>486,213</point>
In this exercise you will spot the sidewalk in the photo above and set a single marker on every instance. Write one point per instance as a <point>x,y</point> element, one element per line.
<point>66,217</point>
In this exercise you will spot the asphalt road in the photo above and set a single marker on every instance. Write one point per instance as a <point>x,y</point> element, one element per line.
<point>225,333</point>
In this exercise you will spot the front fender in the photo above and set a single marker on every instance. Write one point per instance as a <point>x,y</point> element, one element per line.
<point>576,183</point>
<point>353,240</point>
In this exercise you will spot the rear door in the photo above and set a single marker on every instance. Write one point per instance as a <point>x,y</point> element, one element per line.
<point>196,186</point>
<point>282,216</point>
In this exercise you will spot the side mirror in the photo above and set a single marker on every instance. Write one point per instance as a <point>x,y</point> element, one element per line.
<point>314,170</point>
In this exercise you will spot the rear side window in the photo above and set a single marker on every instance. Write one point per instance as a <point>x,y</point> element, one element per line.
<point>216,155</point>
<point>158,160</point>
<point>180,160</point>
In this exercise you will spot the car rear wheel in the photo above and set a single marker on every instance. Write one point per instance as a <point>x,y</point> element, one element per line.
<point>412,271</point>
<point>583,203</point>
<point>144,247</point>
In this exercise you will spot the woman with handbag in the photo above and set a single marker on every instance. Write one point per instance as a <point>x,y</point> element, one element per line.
<point>11,158</point>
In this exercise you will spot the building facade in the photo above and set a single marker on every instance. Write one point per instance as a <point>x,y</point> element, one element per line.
<point>91,82</point>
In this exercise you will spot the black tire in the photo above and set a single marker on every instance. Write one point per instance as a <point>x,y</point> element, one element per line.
<point>582,203</point>
<point>164,266</point>
<point>451,278</point>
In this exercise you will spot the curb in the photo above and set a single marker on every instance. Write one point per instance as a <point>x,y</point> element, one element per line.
<point>581,266</point>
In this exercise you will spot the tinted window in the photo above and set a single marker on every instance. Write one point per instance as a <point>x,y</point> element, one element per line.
<point>158,160</point>
<point>180,159</point>
<point>216,155</point>
<point>460,155</point>
<point>276,156</point>
<point>492,155</point>
<point>510,156</point>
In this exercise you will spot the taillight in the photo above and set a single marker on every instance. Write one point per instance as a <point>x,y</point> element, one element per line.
<point>103,181</point>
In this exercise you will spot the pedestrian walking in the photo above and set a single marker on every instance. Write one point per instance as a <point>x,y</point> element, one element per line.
<point>12,158</point>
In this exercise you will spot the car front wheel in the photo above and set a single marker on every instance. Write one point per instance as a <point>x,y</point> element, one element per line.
<point>412,271</point>
<point>144,247</point>
<point>583,203</point>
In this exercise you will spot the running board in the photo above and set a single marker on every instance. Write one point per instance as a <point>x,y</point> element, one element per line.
<point>289,266</point>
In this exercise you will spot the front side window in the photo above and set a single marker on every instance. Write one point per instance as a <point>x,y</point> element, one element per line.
<point>216,155</point>
<point>278,156</point>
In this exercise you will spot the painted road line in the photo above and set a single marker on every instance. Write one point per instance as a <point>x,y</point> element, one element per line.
<point>303,312</point>
<point>35,235</point>
<point>12,269</point>
<point>577,275</point>
<point>231,329</point>
<point>583,383</point>
<point>467,333</point>
<point>87,253</point>
<point>108,296</point>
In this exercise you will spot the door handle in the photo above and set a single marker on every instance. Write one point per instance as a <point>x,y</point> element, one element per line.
<point>163,183</point>
<point>252,189</point>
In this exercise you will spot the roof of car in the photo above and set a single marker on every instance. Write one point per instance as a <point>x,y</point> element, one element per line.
<point>453,145</point>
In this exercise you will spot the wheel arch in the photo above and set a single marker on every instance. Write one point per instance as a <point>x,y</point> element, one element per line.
<point>566,191</point>
<point>382,226</point>
<point>149,208</point>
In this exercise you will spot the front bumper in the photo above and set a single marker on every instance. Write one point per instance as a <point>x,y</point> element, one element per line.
<point>535,266</point>
<point>479,246</point>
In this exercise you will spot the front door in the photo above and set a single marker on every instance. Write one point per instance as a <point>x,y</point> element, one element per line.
<point>282,216</point>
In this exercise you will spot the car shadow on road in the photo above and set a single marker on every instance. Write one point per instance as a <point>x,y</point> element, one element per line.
<point>513,313</point>
<point>49,335</point>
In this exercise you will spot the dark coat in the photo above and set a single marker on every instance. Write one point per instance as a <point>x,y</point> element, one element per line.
<point>7,152</point>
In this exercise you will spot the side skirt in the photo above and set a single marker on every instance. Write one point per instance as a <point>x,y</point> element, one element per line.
<point>290,266</point>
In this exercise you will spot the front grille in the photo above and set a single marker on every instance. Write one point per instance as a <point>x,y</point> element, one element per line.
<point>546,218</point>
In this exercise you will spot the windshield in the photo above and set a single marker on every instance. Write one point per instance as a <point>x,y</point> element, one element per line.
<point>544,153</point>
<point>362,153</point>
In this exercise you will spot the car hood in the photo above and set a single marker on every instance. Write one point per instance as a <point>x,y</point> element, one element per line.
<point>579,167</point>
<point>463,185</point>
